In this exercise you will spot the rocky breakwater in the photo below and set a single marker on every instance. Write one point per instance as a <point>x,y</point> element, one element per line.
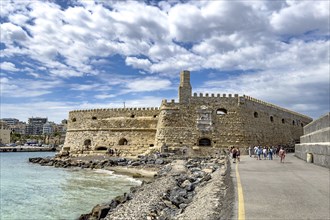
<point>199,188</point>
<point>195,188</point>
<point>134,167</point>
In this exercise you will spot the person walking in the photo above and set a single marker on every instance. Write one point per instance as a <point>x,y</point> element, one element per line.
<point>270,153</point>
<point>234,150</point>
<point>238,155</point>
<point>281,154</point>
<point>264,151</point>
<point>259,152</point>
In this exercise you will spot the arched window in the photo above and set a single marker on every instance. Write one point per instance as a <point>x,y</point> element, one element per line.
<point>123,141</point>
<point>221,111</point>
<point>132,116</point>
<point>204,142</point>
<point>94,118</point>
<point>271,118</point>
<point>87,142</point>
<point>74,119</point>
<point>256,114</point>
<point>101,148</point>
<point>293,122</point>
<point>283,121</point>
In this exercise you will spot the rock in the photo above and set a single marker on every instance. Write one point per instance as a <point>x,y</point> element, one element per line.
<point>100,211</point>
<point>136,163</point>
<point>159,161</point>
<point>208,170</point>
<point>185,184</point>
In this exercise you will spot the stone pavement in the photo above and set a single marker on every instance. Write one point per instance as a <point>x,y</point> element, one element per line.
<point>272,190</point>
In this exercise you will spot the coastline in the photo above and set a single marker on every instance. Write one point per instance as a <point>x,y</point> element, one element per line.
<point>172,188</point>
<point>25,149</point>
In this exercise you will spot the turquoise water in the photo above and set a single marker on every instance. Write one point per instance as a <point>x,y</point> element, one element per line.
<point>33,192</point>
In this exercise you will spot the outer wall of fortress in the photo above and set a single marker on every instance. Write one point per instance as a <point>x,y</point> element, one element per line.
<point>199,122</point>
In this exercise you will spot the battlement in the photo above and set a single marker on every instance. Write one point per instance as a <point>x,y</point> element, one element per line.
<point>207,95</point>
<point>118,109</point>
<point>165,101</point>
<point>249,98</point>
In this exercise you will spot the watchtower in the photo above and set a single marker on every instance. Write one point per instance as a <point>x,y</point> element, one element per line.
<point>185,87</point>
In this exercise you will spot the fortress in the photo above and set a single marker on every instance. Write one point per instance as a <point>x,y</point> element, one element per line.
<point>196,123</point>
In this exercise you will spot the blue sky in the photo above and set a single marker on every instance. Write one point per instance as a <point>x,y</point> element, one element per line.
<point>59,56</point>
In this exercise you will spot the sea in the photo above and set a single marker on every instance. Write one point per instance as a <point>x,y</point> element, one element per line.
<point>33,192</point>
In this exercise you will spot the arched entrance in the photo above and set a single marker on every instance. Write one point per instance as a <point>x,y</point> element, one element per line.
<point>205,142</point>
<point>87,143</point>
<point>123,141</point>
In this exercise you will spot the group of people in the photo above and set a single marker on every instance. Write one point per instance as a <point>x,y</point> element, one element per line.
<point>113,152</point>
<point>259,152</point>
<point>267,152</point>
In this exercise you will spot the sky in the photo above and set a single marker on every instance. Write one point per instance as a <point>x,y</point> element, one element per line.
<point>59,56</point>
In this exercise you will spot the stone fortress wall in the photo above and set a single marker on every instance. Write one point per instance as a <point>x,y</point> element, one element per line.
<point>127,129</point>
<point>198,122</point>
<point>316,142</point>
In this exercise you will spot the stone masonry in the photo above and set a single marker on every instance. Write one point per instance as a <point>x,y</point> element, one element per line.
<point>197,123</point>
<point>316,141</point>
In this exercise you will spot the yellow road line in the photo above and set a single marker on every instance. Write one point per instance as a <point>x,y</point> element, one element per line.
<point>241,208</point>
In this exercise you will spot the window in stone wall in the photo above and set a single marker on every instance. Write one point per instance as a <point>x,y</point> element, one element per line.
<point>132,116</point>
<point>221,111</point>
<point>94,118</point>
<point>87,142</point>
<point>256,114</point>
<point>271,118</point>
<point>74,120</point>
<point>123,141</point>
<point>283,121</point>
<point>293,122</point>
<point>101,148</point>
<point>204,142</point>
<point>151,145</point>
<point>302,125</point>
<point>155,116</point>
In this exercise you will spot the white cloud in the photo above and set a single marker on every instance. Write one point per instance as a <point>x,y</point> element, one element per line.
<point>301,17</point>
<point>148,84</point>
<point>13,88</point>
<point>104,96</point>
<point>304,90</point>
<point>138,63</point>
<point>279,39</point>
<point>11,33</point>
<point>8,66</point>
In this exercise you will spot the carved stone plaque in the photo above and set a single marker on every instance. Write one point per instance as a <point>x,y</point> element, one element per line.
<point>204,119</point>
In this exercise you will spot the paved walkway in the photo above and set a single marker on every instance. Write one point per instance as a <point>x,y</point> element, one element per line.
<point>270,190</point>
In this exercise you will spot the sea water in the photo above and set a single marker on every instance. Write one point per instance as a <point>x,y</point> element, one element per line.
<point>34,192</point>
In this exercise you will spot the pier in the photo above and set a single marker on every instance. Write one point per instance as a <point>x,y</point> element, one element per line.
<point>268,189</point>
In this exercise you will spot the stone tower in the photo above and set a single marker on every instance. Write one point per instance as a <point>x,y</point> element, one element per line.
<point>185,87</point>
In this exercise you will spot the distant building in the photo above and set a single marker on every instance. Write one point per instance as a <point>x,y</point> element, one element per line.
<point>10,121</point>
<point>35,125</point>
<point>4,136</point>
<point>19,128</point>
<point>47,128</point>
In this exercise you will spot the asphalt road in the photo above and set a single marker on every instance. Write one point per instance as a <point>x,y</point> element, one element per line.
<point>272,190</point>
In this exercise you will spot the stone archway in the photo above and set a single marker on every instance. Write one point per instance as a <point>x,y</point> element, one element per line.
<point>123,141</point>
